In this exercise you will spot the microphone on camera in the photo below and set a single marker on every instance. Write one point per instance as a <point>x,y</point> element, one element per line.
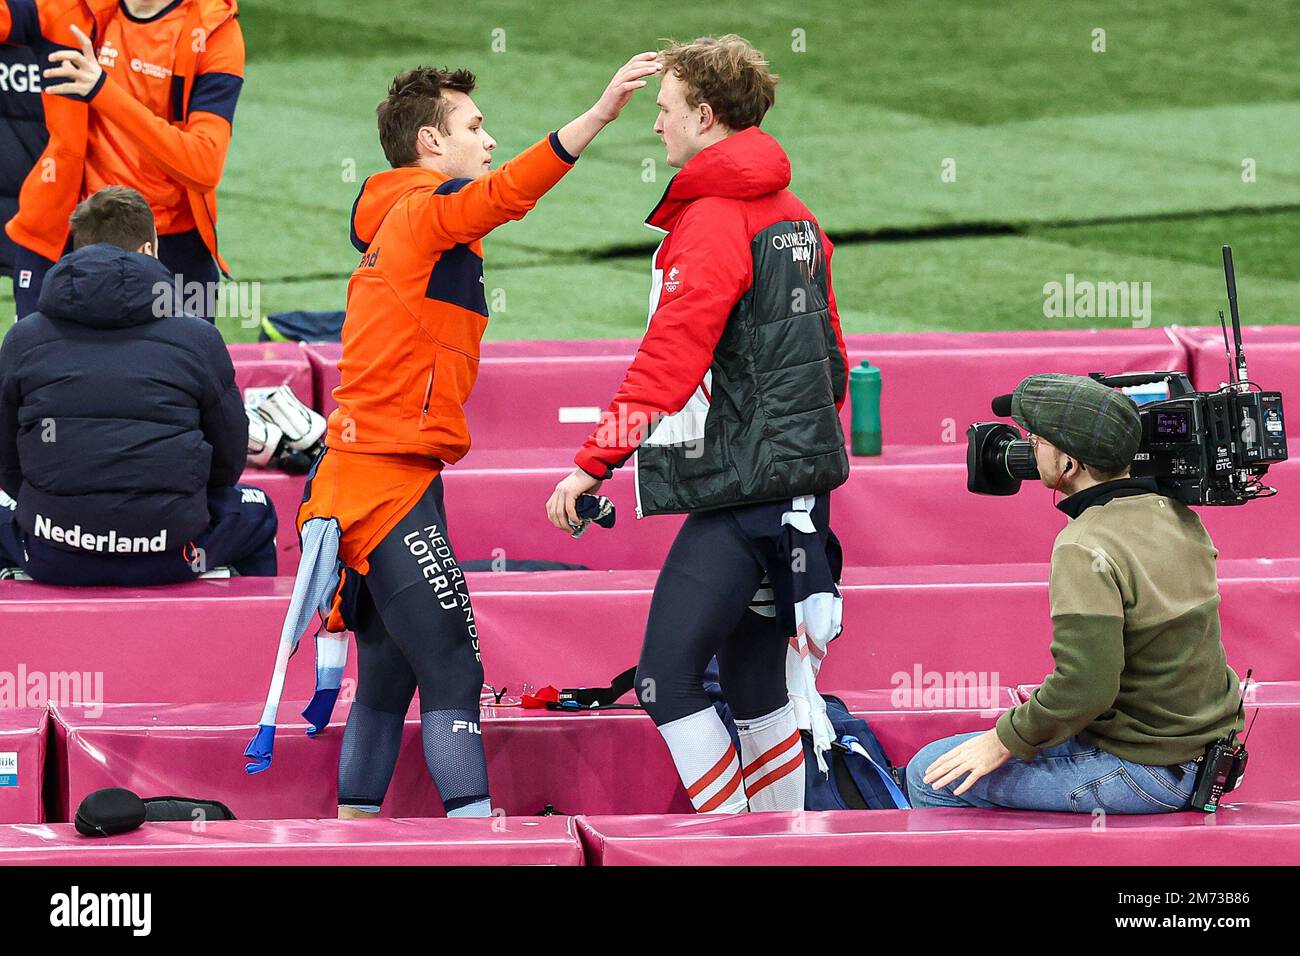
<point>1002,406</point>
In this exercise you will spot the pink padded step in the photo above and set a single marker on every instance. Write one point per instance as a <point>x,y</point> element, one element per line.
<point>532,472</point>
<point>613,761</point>
<point>23,733</point>
<point>1273,721</point>
<point>216,640</point>
<point>935,383</point>
<point>501,841</point>
<point>271,364</point>
<point>324,357</point>
<point>1263,834</point>
<point>1272,355</point>
<point>596,762</point>
<point>885,514</point>
<point>908,507</point>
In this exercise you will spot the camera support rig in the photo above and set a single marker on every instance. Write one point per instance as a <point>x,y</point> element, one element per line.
<point>1210,448</point>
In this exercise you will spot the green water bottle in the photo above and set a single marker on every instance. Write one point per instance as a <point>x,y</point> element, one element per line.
<point>864,399</point>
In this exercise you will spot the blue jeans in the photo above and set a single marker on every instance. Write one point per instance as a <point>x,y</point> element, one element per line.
<point>1072,776</point>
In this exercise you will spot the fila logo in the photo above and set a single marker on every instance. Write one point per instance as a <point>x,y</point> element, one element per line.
<point>25,278</point>
<point>369,259</point>
<point>467,725</point>
<point>107,55</point>
<point>673,281</point>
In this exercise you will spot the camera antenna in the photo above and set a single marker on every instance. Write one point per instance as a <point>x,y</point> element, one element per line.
<point>1241,706</point>
<point>1231,276</point>
<point>1227,349</point>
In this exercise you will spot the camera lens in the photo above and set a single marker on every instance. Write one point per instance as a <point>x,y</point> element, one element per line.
<point>1018,457</point>
<point>997,459</point>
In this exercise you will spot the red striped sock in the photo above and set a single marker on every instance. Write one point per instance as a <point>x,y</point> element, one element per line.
<point>772,753</point>
<point>706,761</point>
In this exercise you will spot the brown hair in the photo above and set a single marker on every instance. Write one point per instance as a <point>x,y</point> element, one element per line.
<point>727,73</point>
<point>415,100</point>
<point>117,215</point>
<point>1106,474</point>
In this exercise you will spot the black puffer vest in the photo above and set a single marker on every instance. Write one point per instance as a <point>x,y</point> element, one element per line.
<point>764,425</point>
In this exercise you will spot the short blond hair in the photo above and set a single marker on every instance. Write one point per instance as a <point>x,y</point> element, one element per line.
<point>727,73</point>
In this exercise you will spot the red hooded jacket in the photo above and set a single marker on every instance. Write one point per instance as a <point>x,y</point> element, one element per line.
<point>711,211</point>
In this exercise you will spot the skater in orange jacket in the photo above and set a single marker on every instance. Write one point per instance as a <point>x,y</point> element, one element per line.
<point>137,93</point>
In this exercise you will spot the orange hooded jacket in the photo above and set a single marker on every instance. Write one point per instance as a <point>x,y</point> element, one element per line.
<point>207,76</point>
<point>416,307</point>
<point>416,312</point>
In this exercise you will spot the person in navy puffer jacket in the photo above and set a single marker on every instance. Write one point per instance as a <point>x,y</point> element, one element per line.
<point>122,433</point>
<point>22,134</point>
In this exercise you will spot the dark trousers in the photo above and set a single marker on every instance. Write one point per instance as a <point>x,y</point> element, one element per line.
<point>701,609</point>
<point>183,253</point>
<point>413,620</point>
<point>241,535</point>
<point>415,630</point>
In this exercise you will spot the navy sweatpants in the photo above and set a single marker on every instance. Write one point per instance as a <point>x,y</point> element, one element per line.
<point>241,535</point>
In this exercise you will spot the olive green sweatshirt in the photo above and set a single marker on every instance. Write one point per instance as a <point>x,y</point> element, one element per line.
<point>1140,667</point>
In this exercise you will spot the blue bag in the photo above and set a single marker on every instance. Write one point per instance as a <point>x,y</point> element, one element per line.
<point>860,776</point>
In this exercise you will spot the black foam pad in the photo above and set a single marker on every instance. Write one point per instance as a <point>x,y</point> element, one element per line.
<point>110,811</point>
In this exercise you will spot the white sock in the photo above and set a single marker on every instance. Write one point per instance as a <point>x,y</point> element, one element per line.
<point>706,761</point>
<point>772,753</point>
<point>479,808</point>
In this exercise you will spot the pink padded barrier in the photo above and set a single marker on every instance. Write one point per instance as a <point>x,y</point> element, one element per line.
<point>885,514</point>
<point>596,762</point>
<point>935,383</point>
<point>544,393</point>
<point>271,364</point>
<point>612,762</point>
<point>904,726</point>
<point>216,640</point>
<point>324,357</point>
<point>550,841</point>
<point>907,507</point>
<point>23,731</point>
<point>284,491</point>
<point>199,641</point>
<point>1261,834</point>
<point>1272,356</point>
<point>1273,720</point>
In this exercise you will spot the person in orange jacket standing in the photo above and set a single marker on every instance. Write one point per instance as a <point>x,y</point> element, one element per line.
<point>137,93</point>
<point>416,313</point>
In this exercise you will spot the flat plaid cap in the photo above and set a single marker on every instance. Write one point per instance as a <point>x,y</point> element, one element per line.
<point>1091,422</point>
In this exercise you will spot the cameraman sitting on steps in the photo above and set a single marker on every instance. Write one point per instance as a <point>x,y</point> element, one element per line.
<point>1141,684</point>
